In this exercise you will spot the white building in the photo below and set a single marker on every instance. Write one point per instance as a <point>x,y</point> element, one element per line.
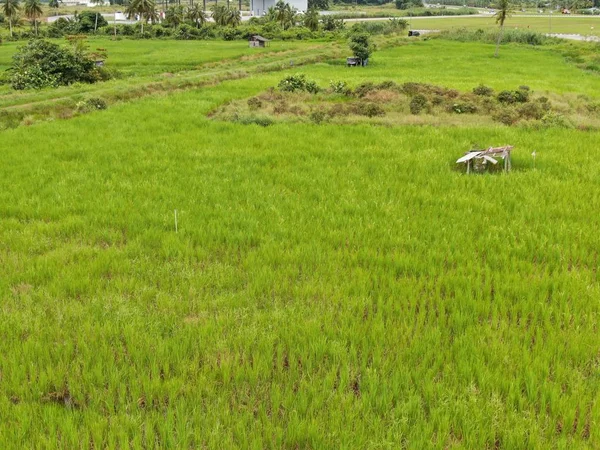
<point>260,7</point>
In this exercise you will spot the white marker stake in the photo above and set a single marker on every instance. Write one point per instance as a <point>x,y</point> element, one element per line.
<point>533,154</point>
<point>175,221</point>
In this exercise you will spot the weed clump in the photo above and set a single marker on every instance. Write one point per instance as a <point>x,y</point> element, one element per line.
<point>484,91</point>
<point>254,103</point>
<point>298,82</point>
<point>418,104</point>
<point>91,104</point>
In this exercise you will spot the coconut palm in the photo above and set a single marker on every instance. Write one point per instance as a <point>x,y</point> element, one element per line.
<point>175,15</point>
<point>219,14</point>
<point>196,15</point>
<point>146,9</point>
<point>311,19</point>
<point>33,10</point>
<point>10,9</point>
<point>501,16</point>
<point>234,17</point>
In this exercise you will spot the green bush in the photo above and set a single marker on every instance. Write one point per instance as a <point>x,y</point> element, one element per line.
<point>91,104</point>
<point>298,82</point>
<point>418,104</point>
<point>363,89</point>
<point>369,110</point>
<point>483,91</point>
<point>42,64</point>
<point>339,87</point>
<point>317,116</point>
<point>254,103</point>
<point>463,108</point>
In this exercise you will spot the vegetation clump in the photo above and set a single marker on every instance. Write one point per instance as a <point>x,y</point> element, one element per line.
<point>41,64</point>
<point>298,82</point>
<point>389,102</point>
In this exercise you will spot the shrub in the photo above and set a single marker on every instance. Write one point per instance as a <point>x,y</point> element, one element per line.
<point>91,104</point>
<point>506,97</point>
<point>317,116</point>
<point>361,45</point>
<point>418,104</point>
<point>45,64</point>
<point>369,109</point>
<point>407,4</point>
<point>254,103</point>
<point>339,87</point>
<point>363,89</point>
<point>552,119</point>
<point>507,116</point>
<point>463,108</point>
<point>483,91</point>
<point>298,82</point>
<point>531,111</point>
<point>86,21</point>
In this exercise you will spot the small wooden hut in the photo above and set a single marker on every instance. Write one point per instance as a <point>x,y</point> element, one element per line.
<point>258,41</point>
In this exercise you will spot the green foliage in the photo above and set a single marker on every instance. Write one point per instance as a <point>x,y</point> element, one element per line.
<point>85,22</point>
<point>483,91</point>
<point>91,104</point>
<point>332,23</point>
<point>418,103</point>
<point>311,19</point>
<point>298,82</point>
<point>407,4</point>
<point>340,87</point>
<point>42,64</point>
<point>318,5</point>
<point>361,46</point>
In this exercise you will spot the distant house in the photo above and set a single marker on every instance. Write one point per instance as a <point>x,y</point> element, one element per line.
<point>258,41</point>
<point>260,7</point>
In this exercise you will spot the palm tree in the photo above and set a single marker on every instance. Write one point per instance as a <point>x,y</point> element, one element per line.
<point>33,10</point>
<point>175,15</point>
<point>502,14</point>
<point>219,14</point>
<point>234,17</point>
<point>10,9</point>
<point>311,19</point>
<point>96,3</point>
<point>285,14</point>
<point>146,9</point>
<point>196,15</point>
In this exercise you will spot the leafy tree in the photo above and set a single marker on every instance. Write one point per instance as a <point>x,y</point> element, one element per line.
<point>145,9</point>
<point>86,22</point>
<point>10,9</point>
<point>54,4</point>
<point>503,13</point>
<point>33,10</point>
<point>322,5</point>
<point>42,64</point>
<point>361,45</point>
<point>196,14</point>
<point>311,19</point>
